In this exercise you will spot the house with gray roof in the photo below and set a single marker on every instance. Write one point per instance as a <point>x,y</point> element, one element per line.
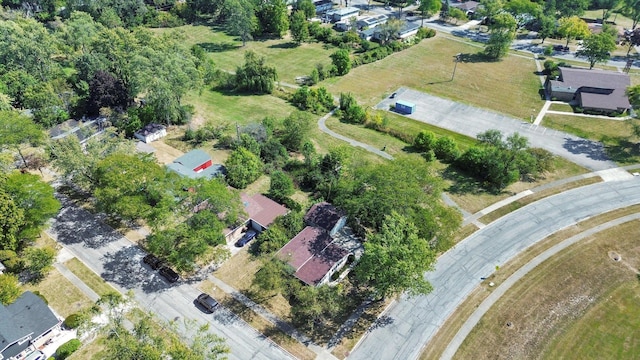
<point>593,90</point>
<point>151,132</point>
<point>25,325</point>
<point>196,164</point>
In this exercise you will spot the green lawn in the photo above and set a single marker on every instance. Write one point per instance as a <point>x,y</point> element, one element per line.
<point>91,279</point>
<point>509,86</point>
<point>227,51</point>
<point>236,109</point>
<point>61,294</point>
<point>606,331</point>
<point>561,107</point>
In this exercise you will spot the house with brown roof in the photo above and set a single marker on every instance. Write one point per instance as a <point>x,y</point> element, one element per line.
<point>323,247</point>
<point>327,217</point>
<point>593,90</point>
<point>314,256</point>
<point>261,212</point>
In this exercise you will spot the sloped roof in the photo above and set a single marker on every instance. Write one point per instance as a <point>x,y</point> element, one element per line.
<point>27,315</point>
<point>193,159</point>
<point>185,164</point>
<point>150,129</point>
<point>312,254</point>
<point>612,84</point>
<point>467,6</point>
<point>262,209</point>
<point>324,215</point>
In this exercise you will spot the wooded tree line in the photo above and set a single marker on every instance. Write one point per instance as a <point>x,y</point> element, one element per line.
<point>82,67</point>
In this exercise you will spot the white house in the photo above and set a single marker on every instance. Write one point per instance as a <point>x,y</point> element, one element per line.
<point>343,14</point>
<point>151,132</point>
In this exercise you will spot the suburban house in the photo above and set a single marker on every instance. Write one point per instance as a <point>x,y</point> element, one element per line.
<point>319,250</point>
<point>323,6</point>
<point>25,326</point>
<point>313,256</point>
<point>261,212</point>
<point>342,14</point>
<point>151,132</point>
<point>196,164</point>
<point>468,7</point>
<point>371,21</point>
<point>327,217</point>
<point>406,31</point>
<point>594,90</point>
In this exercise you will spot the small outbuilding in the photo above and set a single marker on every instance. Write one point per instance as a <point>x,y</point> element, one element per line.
<point>151,132</point>
<point>196,164</point>
<point>405,107</point>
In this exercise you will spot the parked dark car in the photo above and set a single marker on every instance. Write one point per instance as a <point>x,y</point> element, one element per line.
<point>207,302</point>
<point>560,48</point>
<point>152,261</point>
<point>169,274</point>
<point>248,236</point>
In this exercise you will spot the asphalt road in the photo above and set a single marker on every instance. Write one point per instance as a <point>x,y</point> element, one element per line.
<point>471,121</point>
<point>408,324</point>
<point>119,262</point>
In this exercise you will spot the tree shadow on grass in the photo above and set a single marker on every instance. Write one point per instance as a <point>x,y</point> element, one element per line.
<point>286,45</point>
<point>215,47</point>
<point>624,151</point>
<point>462,183</point>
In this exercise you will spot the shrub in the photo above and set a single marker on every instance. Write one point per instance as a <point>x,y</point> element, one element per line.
<point>68,348</point>
<point>446,149</point>
<point>548,50</point>
<point>429,155</point>
<point>424,141</point>
<point>73,321</point>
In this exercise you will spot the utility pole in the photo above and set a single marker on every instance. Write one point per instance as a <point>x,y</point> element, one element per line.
<point>456,59</point>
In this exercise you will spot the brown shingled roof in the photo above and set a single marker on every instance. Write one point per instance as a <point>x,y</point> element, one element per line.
<point>262,209</point>
<point>323,215</point>
<point>312,254</point>
<point>608,87</point>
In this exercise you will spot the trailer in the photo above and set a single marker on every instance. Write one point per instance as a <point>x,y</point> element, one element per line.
<point>405,107</point>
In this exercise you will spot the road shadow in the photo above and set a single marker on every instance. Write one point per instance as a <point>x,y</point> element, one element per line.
<point>381,322</point>
<point>125,268</point>
<point>592,149</point>
<point>75,225</point>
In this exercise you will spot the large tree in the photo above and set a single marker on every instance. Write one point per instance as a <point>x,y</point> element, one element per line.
<point>243,168</point>
<point>11,219</point>
<point>597,48</point>
<point>567,8</point>
<point>607,6</point>
<point>133,187</point>
<point>502,32</point>
<point>242,20</point>
<point>255,76</point>
<point>341,60</point>
<point>273,17</point>
<point>395,259</point>
<point>572,28</point>
<point>631,9</point>
<point>428,8</point>
<point>18,131</point>
<point>299,27</point>
<point>35,197</point>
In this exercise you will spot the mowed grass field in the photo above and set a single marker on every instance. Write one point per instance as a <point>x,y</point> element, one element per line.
<point>289,59</point>
<point>508,86</point>
<point>615,134</point>
<point>581,304</point>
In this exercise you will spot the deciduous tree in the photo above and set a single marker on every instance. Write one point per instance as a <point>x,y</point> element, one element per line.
<point>572,28</point>
<point>342,61</point>
<point>255,76</point>
<point>395,259</point>
<point>9,289</point>
<point>242,20</point>
<point>597,48</point>
<point>18,131</point>
<point>299,27</point>
<point>428,8</point>
<point>243,168</point>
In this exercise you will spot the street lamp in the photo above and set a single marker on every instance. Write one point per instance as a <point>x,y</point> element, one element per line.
<point>456,59</point>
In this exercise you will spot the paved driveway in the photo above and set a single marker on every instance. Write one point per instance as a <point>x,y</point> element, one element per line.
<point>409,324</point>
<point>471,121</point>
<point>119,262</point>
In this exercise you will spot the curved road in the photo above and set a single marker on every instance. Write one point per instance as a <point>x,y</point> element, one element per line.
<point>408,324</point>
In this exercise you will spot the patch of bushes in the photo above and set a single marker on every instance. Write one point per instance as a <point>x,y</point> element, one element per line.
<point>316,100</point>
<point>73,321</point>
<point>68,348</point>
